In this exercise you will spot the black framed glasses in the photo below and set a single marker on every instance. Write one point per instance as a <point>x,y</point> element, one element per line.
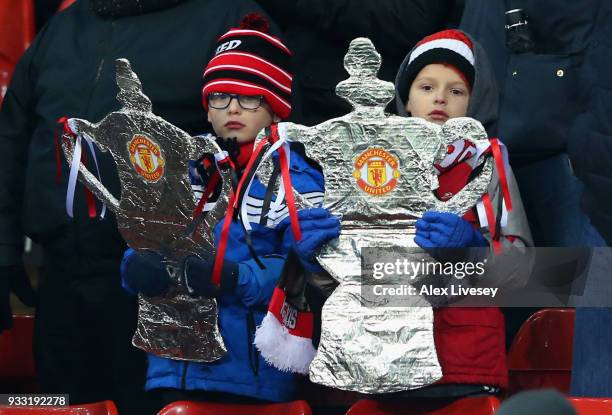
<point>221,100</point>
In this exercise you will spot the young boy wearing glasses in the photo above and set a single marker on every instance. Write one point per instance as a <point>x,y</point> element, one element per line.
<point>247,87</point>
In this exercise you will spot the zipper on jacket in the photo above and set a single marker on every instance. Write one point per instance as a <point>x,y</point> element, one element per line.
<point>105,49</point>
<point>252,351</point>
<point>265,209</point>
<point>184,375</point>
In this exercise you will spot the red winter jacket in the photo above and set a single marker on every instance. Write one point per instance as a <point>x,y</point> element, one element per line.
<point>471,347</point>
<point>470,342</point>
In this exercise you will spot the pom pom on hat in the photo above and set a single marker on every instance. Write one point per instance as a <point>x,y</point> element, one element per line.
<point>255,21</point>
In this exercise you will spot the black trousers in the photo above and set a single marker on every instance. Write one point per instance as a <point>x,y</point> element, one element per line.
<point>82,341</point>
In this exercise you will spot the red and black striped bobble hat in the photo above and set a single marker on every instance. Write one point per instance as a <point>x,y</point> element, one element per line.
<point>450,47</point>
<point>249,61</point>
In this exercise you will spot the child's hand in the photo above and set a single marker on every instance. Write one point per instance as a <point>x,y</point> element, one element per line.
<point>145,272</point>
<point>446,230</point>
<point>318,226</point>
<point>197,274</point>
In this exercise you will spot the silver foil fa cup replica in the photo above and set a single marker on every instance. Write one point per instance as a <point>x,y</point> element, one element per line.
<point>379,177</point>
<point>155,213</point>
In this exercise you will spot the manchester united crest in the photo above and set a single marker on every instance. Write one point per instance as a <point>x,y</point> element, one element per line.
<point>376,171</point>
<point>146,158</point>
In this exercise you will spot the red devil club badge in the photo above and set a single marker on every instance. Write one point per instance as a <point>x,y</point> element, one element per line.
<point>376,171</point>
<point>146,158</point>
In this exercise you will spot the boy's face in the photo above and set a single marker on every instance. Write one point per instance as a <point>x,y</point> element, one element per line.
<point>437,94</point>
<point>244,124</point>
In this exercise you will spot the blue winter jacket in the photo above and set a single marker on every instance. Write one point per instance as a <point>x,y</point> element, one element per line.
<point>243,371</point>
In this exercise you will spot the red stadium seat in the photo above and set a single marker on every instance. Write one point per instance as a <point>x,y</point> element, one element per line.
<point>96,408</point>
<point>541,353</point>
<point>65,4</point>
<point>592,406</point>
<point>17,30</point>
<point>471,406</point>
<point>214,408</point>
<point>17,372</point>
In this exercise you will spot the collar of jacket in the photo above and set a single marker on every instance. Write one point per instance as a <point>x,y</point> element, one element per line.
<point>113,9</point>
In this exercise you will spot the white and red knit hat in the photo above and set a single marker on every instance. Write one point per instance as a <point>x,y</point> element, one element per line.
<point>249,61</point>
<point>451,47</point>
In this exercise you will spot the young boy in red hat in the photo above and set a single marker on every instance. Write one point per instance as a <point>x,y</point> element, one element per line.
<point>247,87</point>
<point>447,75</point>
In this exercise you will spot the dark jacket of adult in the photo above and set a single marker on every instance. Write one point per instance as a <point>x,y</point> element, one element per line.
<point>538,100</point>
<point>70,71</point>
<point>84,322</point>
<point>319,32</point>
<point>551,94</point>
<point>590,144</point>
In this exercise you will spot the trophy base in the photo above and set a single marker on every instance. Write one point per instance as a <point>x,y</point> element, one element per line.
<point>368,346</point>
<point>179,327</point>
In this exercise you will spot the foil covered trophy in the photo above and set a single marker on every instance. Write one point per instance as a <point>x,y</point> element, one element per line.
<point>380,177</point>
<point>155,213</point>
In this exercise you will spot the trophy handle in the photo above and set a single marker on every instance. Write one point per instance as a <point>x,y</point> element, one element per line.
<point>218,211</point>
<point>201,144</point>
<point>89,180</point>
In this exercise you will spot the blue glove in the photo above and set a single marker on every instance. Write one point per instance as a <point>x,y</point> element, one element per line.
<point>145,272</point>
<point>197,274</point>
<point>446,230</point>
<point>318,226</point>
